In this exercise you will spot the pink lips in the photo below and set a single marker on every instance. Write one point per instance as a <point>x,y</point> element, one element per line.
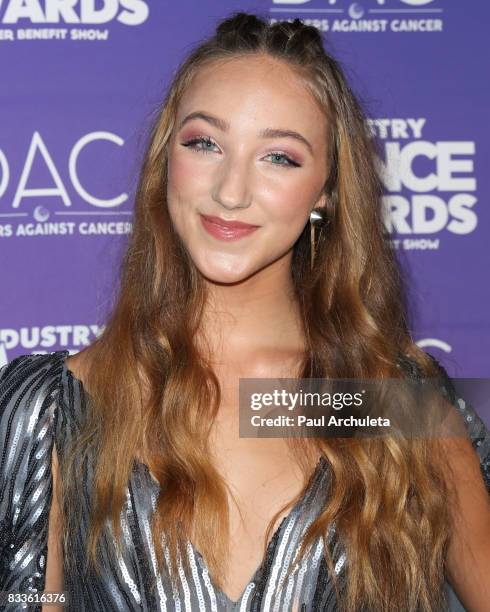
<point>226,230</point>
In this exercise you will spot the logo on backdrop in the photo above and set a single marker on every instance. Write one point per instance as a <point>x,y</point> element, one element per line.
<point>434,343</point>
<point>25,19</point>
<point>45,339</point>
<point>366,16</point>
<point>430,186</point>
<point>47,209</point>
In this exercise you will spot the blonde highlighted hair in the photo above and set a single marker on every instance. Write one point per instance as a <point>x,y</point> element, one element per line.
<point>387,500</point>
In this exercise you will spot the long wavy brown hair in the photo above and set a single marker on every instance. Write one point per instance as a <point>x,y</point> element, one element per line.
<point>150,386</point>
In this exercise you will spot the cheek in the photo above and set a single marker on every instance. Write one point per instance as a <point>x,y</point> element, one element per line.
<point>181,166</point>
<point>177,173</point>
<point>291,207</point>
<point>181,192</point>
<point>177,195</point>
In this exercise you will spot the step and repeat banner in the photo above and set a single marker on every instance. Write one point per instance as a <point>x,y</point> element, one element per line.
<point>81,81</point>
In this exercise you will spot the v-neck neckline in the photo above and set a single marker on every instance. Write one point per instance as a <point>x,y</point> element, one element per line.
<point>270,546</point>
<point>275,536</point>
<point>258,571</point>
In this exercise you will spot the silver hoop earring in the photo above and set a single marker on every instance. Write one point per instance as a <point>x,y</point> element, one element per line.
<point>318,222</point>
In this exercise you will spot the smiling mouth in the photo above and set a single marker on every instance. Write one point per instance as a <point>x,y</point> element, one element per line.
<point>226,230</point>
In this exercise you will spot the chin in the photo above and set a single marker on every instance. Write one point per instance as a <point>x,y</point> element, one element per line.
<point>224,276</point>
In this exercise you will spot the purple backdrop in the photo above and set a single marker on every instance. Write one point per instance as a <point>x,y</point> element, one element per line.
<point>80,84</point>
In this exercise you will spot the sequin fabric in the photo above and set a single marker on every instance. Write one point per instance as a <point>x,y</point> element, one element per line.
<point>42,403</point>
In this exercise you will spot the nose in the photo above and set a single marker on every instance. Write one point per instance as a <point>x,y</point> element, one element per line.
<point>232,188</point>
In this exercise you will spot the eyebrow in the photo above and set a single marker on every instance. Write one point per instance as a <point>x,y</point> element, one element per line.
<point>266,133</point>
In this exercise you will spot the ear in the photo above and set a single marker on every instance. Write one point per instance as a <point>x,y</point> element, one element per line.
<point>321,201</point>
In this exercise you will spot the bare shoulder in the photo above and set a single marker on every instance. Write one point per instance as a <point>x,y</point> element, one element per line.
<point>79,363</point>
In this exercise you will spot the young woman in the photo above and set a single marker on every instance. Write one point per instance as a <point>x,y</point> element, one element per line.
<point>123,477</point>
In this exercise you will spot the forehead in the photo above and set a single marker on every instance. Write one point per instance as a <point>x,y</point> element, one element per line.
<point>255,90</point>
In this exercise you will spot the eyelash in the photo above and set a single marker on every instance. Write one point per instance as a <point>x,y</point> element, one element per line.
<point>202,139</point>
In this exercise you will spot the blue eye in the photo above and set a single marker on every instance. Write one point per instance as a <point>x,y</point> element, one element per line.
<point>208,143</point>
<point>197,141</point>
<point>289,161</point>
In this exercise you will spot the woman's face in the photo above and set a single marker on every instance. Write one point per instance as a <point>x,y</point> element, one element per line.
<point>229,159</point>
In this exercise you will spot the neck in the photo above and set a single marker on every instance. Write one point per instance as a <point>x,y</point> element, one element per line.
<point>257,314</point>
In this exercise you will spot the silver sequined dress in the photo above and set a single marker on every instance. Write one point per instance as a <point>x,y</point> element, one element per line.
<point>41,402</point>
